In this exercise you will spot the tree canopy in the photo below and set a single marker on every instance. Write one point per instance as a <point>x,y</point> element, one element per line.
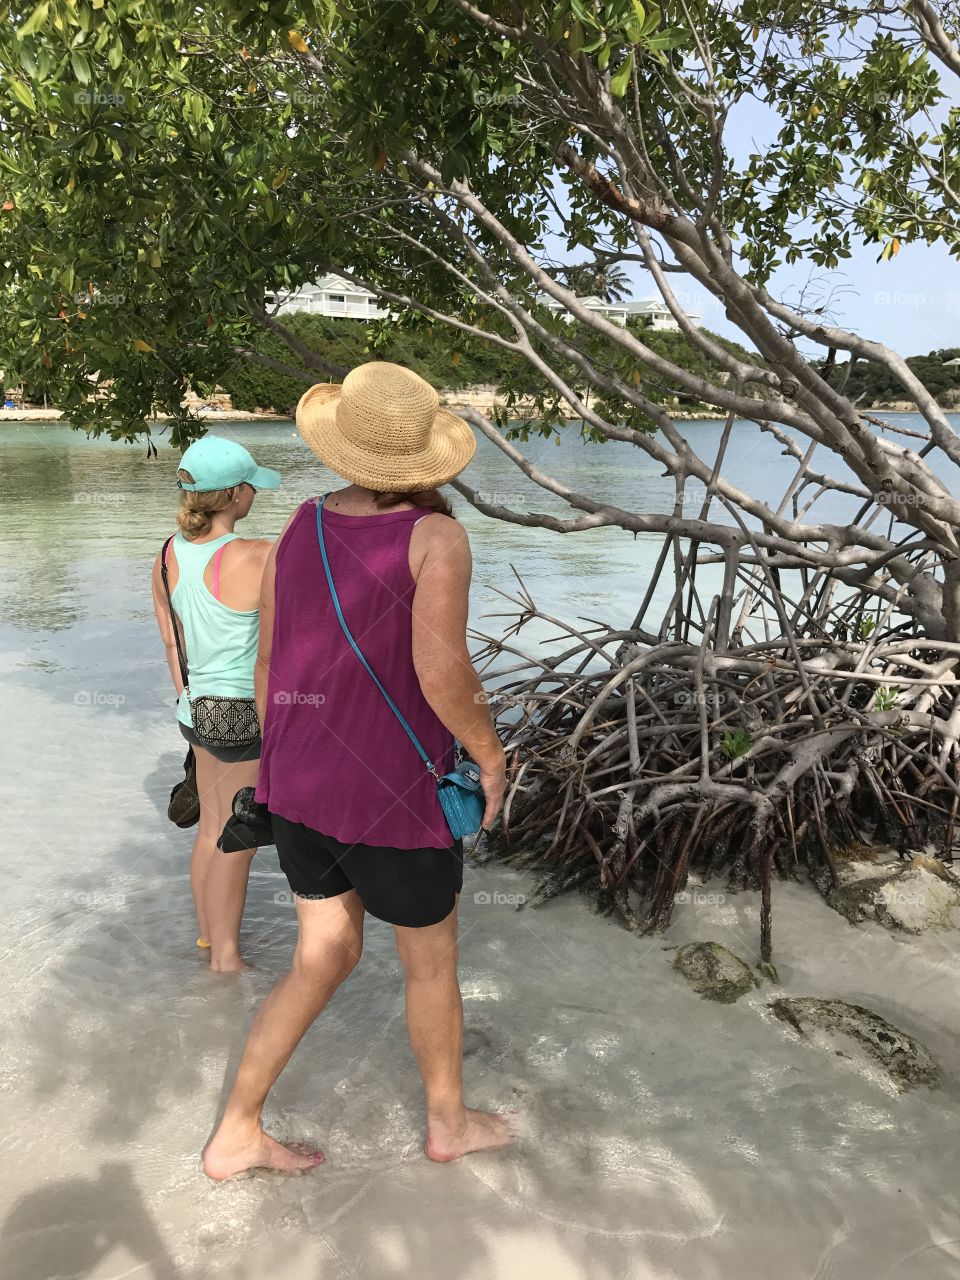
<point>162,167</point>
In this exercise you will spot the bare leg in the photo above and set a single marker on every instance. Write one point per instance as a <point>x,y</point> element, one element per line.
<point>435,1028</point>
<point>205,841</point>
<point>225,889</point>
<point>328,948</point>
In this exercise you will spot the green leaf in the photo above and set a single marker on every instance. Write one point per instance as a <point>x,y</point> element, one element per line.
<point>81,67</point>
<point>652,20</point>
<point>22,94</point>
<point>619,82</point>
<point>27,60</point>
<point>583,15</point>
<point>35,21</point>
<point>669,38</point>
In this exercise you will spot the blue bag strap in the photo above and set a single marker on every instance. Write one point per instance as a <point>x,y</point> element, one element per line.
<point>356,648</point>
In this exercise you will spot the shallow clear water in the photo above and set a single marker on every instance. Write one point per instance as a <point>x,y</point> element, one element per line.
<point>663,1138</point>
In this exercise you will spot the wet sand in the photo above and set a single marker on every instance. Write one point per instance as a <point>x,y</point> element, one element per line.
<point>662,1136</point>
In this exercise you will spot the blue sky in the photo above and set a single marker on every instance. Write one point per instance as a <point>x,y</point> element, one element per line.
<point>911,303</point>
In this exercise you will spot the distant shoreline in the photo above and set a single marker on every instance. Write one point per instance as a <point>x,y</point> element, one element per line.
<point>214,415</point>
<point>451,401</point>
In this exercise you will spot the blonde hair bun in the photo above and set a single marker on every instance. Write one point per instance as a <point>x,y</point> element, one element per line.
<point>195,517</point>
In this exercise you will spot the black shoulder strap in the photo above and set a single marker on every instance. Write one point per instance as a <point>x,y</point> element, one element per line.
<point>173,616</point>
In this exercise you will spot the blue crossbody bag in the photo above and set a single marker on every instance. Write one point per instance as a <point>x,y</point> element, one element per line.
<point>459,792</point>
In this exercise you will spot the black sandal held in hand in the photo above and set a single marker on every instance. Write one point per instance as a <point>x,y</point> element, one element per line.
<point>249,826</point>
<point>183,808</point>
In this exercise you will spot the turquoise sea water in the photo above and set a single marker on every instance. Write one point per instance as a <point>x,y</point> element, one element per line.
<point>81,519</point>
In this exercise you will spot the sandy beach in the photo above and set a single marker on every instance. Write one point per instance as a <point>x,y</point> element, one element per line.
<point>215,415</point>
<point>663,1137</point>
<point>484,399</point>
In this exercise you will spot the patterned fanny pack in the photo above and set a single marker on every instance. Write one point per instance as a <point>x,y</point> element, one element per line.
<point>224,722</point>
<point>217,721</point>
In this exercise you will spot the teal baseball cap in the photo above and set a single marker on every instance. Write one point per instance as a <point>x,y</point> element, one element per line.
<point>216,463</point>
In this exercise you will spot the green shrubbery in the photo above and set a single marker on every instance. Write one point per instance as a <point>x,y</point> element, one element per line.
<point>436,352</point>
<point>870,383</point>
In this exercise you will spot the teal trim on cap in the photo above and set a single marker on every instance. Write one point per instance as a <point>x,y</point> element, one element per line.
<point>216,463</point>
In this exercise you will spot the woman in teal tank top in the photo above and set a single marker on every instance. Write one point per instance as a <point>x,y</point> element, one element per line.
<point>214,579</point>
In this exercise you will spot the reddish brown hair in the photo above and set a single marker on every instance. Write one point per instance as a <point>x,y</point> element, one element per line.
<point>428,499</point>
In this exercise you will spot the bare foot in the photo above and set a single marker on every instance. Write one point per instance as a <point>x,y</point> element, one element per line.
<point>478,1131</point>
<point>227,1157</point>
<point>229,964</point>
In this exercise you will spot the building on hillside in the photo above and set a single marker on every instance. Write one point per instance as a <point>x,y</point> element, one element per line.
<point>658,314</point>
<point>332,295</point>
<point>615,311</point>
<point>655,313</point>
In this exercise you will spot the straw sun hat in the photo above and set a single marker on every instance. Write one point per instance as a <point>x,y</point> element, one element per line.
<point>384,429</point>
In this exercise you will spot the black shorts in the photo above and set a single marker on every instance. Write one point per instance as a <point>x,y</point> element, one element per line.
<point>226,755</point>
<point>409,887</point>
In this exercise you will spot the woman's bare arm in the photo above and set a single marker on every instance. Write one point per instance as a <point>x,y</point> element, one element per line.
<point>442,565</point>
<point>165,622</point>
<point>261,673</point>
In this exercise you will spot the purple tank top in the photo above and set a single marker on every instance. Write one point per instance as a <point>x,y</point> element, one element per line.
<point>335,757</point>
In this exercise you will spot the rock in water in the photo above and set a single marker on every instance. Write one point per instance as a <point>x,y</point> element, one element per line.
<point>865,1037</point>
<point>913,896</point>
<point>919,897</point>
<point>855,895</point>
<point>714,972</point>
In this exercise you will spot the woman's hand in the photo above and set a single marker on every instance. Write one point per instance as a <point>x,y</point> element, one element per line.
<point>493,779</point>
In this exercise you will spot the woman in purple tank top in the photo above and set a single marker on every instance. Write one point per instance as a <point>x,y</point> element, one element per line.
<point>355,812</point>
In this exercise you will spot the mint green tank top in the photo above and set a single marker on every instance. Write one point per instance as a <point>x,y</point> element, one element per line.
<point>221,642</point>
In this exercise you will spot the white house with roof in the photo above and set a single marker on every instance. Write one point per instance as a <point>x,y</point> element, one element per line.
<point>658,314</point>
<point>332,295</point>
<point>653,311</point>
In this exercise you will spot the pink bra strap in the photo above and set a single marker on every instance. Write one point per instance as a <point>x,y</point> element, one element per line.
<point>216,571</point>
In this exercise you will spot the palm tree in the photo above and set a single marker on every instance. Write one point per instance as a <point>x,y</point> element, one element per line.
<point>609,283</point>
